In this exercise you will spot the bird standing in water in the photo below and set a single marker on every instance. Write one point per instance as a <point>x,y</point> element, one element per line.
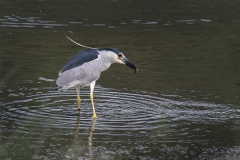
<point>85,68</point>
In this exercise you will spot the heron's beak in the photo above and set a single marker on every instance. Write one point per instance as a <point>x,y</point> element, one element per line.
<point>130,64</point>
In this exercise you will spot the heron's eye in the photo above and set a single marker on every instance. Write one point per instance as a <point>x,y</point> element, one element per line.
<point>119,55</point>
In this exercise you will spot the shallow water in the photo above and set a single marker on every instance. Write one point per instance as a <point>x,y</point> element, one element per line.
<point>183,103</point>
<point>45,124</point>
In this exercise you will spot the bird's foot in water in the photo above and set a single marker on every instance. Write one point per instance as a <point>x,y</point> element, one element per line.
<point>94,116</point>
<point>79,105</point>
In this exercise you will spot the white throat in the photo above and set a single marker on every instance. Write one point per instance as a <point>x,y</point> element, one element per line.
<point>107,58</point>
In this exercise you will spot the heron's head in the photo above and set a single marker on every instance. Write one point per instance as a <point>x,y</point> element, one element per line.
<point>118,57</point>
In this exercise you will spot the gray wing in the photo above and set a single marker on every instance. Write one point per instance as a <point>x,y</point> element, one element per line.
<point>80,75</point>
<point>80,58</point>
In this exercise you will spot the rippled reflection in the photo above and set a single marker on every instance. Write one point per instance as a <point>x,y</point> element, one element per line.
<point>75,152</point>
<point>128,125</point>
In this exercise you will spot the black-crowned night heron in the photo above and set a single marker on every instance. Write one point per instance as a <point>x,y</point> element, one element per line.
<point>85,68</point>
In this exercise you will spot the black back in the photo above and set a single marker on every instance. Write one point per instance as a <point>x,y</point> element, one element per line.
<point>80,58</point>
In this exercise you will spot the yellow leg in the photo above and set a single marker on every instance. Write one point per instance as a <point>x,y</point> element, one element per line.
<point>78,97</point>
<point>79,102</point>
<point>94,113</point>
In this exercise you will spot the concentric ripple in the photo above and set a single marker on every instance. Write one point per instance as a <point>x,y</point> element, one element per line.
<point>115,110</point>
<point>132,122</point>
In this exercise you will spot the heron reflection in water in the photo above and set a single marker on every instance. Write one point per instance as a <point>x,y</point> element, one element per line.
<point>78,149</point>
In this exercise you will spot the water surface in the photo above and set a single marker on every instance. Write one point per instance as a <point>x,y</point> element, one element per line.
<point>183,103</point>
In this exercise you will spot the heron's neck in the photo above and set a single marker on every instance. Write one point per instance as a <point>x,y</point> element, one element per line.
<point>107,59</point>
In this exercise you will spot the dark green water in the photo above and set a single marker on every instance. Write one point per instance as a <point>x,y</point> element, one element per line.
<point>183,104</point>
